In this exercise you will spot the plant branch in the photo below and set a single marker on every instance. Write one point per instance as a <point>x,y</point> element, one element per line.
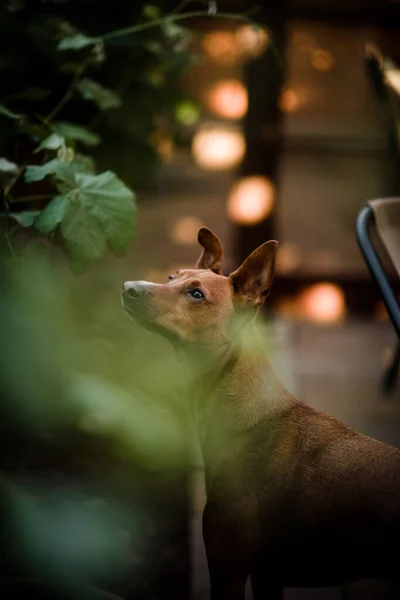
<point>176,17</point>
<point>8,242</point>
<point>70,91</point>
<point>11,184</point>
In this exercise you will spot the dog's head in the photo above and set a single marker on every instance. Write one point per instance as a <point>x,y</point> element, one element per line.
<point>198,305</point>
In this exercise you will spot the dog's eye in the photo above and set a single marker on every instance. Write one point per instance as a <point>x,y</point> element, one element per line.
<point>170,278</point>
<point>196,294</point>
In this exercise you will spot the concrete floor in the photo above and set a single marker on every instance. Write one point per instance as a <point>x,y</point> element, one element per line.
<point>336,370</point>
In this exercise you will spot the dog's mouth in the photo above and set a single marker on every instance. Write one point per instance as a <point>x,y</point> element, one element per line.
<point>143,315</point>
<point>134,310</point>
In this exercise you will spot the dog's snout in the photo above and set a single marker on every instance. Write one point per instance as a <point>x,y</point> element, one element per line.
<point>133,289</point>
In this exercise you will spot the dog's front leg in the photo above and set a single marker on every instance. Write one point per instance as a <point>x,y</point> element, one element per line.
<point>232,542</point>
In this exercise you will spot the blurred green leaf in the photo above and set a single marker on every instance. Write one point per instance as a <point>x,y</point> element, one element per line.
<point>53,142</point>
<point>65,534</point>
<point>101,209</point>
<point>26,218</point>
<point>33,130</point>
<point>103,97</point>
<point>34,93</point>
<point>8,113</point>
<point>39,172</point>
<point>66,154</point>
<point>88,163</point>
<point>132,419</point>
<point>75,132</point>
<point>7,167</point>
<point>77,42</point>
<point>52,215</point>
<point>83,236</point>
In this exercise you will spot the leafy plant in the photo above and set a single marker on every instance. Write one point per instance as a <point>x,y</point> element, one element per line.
<point>66,90</point>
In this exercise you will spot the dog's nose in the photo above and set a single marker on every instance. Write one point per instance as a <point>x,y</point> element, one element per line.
<point>133,289</point>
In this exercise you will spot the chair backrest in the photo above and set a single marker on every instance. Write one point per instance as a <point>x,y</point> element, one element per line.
<point>387,219</point>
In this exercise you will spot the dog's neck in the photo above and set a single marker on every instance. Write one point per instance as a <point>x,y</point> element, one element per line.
<point>231,387</point>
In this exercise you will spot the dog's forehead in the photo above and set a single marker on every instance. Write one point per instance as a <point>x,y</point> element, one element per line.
<point>205,276</point>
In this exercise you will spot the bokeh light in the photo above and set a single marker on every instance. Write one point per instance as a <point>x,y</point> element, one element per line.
<point>187,113</point>
<point>392,77</point>
<point>165,149</point>
<point>304,42</point>
<point>251,200</point>
<point>184,230</point>
<point>289,100</point>
<point>228,48</point>
<point>218,147</point>
<point>221,47</point>
<point>251,41</point>
<point>322,60</point>
<point>228,99</point>
<point>322,303</point>
<point>288,258</point>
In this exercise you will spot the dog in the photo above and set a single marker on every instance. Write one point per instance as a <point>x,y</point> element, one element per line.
<point>294,497</point>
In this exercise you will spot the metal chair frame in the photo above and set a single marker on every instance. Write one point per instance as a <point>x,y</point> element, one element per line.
<point>365,222</point>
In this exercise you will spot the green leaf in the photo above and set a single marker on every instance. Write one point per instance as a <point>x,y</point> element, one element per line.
<point>7,113</point>
<point>33,93</point>
<point>26,218</point>
<point>83,235</point>
<point>103,97</point>
<point>53,142</point>
<point>77,42</point>
<point>100,211</point>
<point>39,172</point>
<point>7,167</point>
<point>75,132</point>
<point>51,216</point>
<point>34,130</point>
<point>112,204</point>
<point>87,162</point>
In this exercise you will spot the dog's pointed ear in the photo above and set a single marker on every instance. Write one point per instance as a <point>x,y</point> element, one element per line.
<point>252,281</point>
<point>211,257</point>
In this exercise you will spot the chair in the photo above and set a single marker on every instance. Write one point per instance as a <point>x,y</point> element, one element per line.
<point>383,216</point>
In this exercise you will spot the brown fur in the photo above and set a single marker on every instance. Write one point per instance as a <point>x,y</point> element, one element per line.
<point>294,497</point>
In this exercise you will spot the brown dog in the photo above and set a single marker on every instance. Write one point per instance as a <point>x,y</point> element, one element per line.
<point>294,497</point>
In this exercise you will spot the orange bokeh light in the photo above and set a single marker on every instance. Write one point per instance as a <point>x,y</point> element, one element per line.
<point>221,47</point>
<point>251,41</point>
<point>184,230</point>
<point>322,303</point>
<point>322,60</point>
<point>228,99</point>
<point>251,200</point>
<point>289,100</point>
<point>288,258</point>
<point>218,147</point>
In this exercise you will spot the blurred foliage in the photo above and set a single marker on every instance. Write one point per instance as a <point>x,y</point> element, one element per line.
<point>95,438</point>
<point>93,446</point>
<point>76,96</point>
